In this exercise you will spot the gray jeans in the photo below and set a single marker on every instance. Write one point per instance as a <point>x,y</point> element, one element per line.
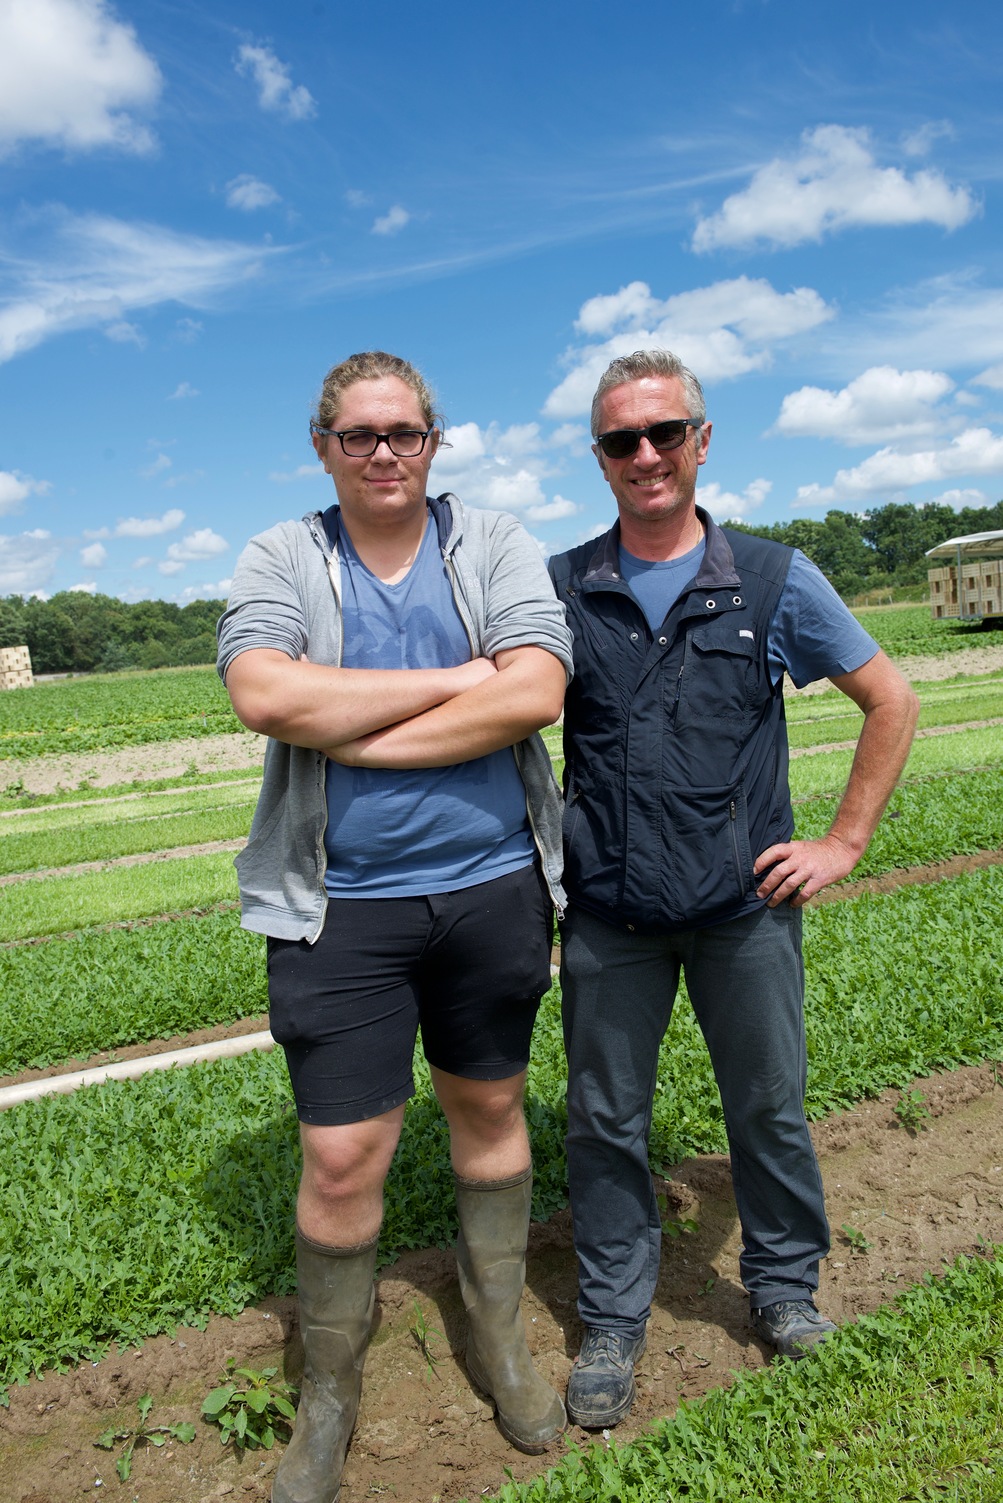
<point>746,982</point>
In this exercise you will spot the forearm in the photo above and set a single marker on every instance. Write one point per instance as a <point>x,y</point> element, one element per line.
<point>526,694</point>
<point>310,704</point>
<point>881,754</point>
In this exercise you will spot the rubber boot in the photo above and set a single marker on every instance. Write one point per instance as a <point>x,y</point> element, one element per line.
<point>336,1298</point>
<point>491,1258</point>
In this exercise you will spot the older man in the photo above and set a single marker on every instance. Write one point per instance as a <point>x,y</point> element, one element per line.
<point>679,856</point>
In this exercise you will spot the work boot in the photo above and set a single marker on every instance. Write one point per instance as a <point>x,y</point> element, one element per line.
<point>601,1386</point>
<point>336,1298</point>
<point>491,1258</point>
<point>792,1326</point>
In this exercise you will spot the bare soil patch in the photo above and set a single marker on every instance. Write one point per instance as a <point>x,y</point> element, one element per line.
<point>139,764</point>
<point>919,1199</point>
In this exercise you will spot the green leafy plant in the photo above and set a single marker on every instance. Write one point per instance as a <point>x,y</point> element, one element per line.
<point>424,1335</point>
<point>250,1408</point>
<point>911,1110</point>
<point>670,1225</point>
<point>142,1434</point>
<point>858,1242</point>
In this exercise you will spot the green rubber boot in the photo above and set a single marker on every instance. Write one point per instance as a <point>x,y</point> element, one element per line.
<point>491,1258</point>
<point>336,1298</point>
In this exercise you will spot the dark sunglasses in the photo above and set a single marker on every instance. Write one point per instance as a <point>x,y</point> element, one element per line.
<point>620,442</point>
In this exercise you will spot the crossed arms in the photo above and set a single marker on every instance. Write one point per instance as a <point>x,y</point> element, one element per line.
<point>398,717</point>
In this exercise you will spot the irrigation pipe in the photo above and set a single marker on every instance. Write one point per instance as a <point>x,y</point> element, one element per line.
<point>131,1069</point>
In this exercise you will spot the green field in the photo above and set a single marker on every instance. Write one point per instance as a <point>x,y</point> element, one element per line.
<point>190,1174</point>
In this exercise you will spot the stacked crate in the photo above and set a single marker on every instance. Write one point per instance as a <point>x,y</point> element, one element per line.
<point>15,668</point>
<point>981,588</point>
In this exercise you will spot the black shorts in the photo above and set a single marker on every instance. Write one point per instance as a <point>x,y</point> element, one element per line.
<point>468,967</point>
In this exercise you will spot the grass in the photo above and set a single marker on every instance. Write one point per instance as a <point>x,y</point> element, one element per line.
<point>135,835</point>
<point>57,905</point>
<point>904,1405</point>
<point>189,1175</point>
<point>954,751</point>
<point>71,998</point>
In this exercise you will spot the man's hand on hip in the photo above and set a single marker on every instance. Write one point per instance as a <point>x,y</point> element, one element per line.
<point>801,868</point>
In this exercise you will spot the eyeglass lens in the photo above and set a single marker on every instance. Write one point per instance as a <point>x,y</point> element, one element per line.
<point>623,441</point>
<point>360,443</point>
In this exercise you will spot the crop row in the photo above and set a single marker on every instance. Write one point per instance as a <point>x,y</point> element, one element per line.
<point>54,837</point>
<point>903,1404</point>
<point>138,1204</point>
<point>98,990</point>
<point>930,820</point>
<point>109,710</point>
<point>910,631</point>
<point>127,837</point>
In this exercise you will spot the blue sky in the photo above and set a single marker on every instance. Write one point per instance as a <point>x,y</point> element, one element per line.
<point>204,207</point>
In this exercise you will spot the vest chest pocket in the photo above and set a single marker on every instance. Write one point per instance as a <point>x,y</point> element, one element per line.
<point>720,674</point>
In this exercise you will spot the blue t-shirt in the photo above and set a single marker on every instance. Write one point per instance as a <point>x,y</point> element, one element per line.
<point>812,635</point>
<point>397,833</point>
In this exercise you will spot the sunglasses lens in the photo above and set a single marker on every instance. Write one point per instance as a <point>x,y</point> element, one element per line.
<point>667,435</point>
<point>620,443</point>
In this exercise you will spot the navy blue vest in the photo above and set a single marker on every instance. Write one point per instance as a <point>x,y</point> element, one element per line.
<point>675,743</point>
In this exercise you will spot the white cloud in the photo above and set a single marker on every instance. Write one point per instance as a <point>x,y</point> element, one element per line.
<point>946,318</point>
<point>188,478</point>
<point>182,390</point>
<point>976,451</point>
<point>247,192</point>
<point>276,91</point>
<point>187,330</point>
<point>16,487</point>
<point>126,333</point>
<point>197,545</point>
<point>554,511</point>
<point>574,437</point>
<point>726,506</point>
<point>207,591</point>
<point>149,527</point>
<point>356,199</point>
<point>958,499</point>
<point>917,143</point>
<point>720,331</point>
<point>832,184</point>
<point>171,566</point>
<point>88,588</point>
<point>992,377</point>
<point>90,269</point>
<point>27,563</point>
<point>882,403</point>
<point>70,72</point>
<point>161,463</point>
<point>392,222</point>
<point>94,556</point>
<point>301,472</point>
<point>496,467</point>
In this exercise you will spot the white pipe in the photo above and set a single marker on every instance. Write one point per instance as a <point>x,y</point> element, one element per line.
<point>131,1069</point>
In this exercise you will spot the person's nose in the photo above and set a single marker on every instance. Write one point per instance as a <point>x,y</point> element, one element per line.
<point>646,455</point>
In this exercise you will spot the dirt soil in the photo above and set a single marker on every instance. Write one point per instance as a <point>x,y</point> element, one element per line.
<point>918,1197</point>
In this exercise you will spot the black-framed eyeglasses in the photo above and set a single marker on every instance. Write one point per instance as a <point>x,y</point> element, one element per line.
<point>360,443</point>
<point>620,442</point>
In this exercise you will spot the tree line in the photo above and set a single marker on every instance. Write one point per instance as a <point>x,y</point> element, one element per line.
<point>76,632</point>
<point>880,549</point>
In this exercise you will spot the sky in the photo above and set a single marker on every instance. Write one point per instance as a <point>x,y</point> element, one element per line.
<point>204,207</point>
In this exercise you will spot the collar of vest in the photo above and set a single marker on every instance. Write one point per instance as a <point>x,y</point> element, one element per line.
<point>717,568</point>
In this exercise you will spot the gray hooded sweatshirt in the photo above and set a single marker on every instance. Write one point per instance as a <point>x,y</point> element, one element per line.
<point>286,595</point>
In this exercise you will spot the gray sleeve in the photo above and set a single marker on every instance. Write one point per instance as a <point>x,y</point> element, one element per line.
<point>266,606</point>
<point>520,606</point>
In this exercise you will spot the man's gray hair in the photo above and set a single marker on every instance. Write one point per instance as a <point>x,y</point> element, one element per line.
<point>649,363</point>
